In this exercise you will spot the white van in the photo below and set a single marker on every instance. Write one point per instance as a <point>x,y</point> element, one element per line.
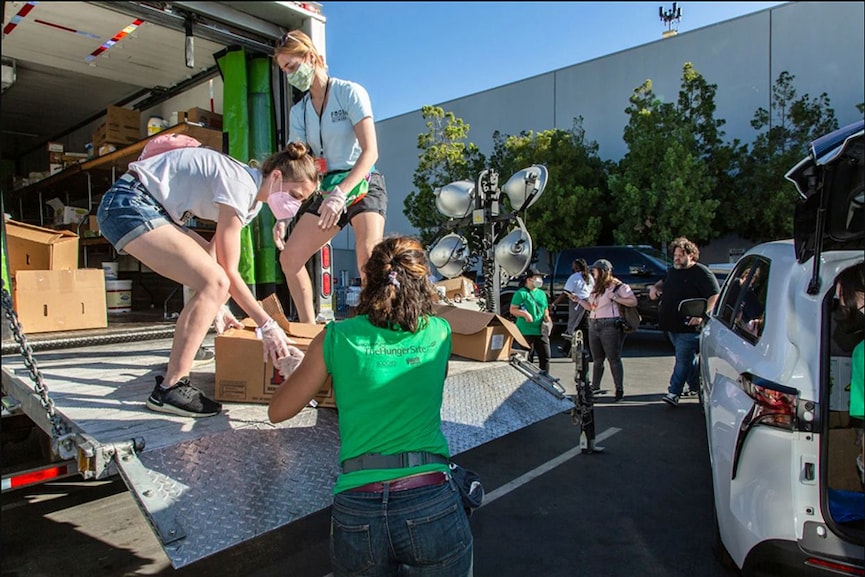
<point>775,383</point>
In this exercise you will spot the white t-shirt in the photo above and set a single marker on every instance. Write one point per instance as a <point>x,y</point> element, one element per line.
<point>347,104</point>
<point>193,182</point>
<point>577,285</point>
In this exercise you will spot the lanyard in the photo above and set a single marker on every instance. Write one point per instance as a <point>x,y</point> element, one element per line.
<point>323,105</point>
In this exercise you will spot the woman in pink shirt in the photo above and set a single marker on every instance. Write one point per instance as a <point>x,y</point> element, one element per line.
<point>606,336</point>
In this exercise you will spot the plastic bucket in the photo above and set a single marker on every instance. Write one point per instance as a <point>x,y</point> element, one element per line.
<point>155,125</point>
<point>118,296</point>
<point>110,269</point>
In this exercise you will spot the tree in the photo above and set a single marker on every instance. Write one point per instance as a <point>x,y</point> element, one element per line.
<point>566,214</point>
<point>445,157</point>
<point>663,185</point>
<point>786,130</point>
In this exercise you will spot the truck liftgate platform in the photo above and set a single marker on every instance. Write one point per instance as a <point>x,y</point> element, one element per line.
<point>206,485</point>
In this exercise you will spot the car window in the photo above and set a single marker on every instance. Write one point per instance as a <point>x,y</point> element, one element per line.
<point>742,306</point>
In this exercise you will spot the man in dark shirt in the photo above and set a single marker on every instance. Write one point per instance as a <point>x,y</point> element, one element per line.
<point>687,279</point>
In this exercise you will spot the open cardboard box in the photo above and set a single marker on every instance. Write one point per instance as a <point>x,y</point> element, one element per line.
<point>36,248</point>
<point>480,335</point>
<point>242,374</point>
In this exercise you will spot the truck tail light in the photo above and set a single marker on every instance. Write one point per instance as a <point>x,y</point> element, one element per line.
<point>774,405</point>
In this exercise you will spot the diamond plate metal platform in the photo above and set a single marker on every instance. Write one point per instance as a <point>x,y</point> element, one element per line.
<point>206,485</point>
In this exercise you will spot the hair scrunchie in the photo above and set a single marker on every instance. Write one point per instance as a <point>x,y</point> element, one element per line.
<point>391,278</point>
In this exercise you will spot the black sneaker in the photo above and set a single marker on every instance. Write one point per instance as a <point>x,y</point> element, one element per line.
<point>181,399</point>
<point>203,357</point>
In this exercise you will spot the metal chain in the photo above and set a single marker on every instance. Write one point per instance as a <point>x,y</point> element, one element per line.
<point>57,427</point>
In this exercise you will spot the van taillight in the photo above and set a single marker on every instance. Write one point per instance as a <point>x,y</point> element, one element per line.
<point>774,405</point>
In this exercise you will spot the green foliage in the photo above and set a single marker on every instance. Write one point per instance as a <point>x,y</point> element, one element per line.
<point>445,157</point>
<point>567,214</point>
<point>678,178</point>
<point>663,187</point>
<point>785,131</point>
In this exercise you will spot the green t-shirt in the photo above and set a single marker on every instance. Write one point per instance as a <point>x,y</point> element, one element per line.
<point>857,387</point>
<point>388,386</point>
<point>535,301</point>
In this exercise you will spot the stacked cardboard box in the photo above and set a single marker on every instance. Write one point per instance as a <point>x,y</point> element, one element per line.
<point>55,157</point>
<point>243,375</point>
<point>456,288</point>
<point>50,293</point>
<point>122,127</point>
<point>201,116</point>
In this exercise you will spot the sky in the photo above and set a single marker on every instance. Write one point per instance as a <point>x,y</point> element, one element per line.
<point>411,54</point>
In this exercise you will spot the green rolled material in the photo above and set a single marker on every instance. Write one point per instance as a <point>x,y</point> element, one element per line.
<point>262,136</point>
<point>232,66</point>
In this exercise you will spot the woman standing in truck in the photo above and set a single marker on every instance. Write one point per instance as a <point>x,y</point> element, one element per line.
<point>388,518</point>
<point>335,119</point>
<point>144,213</point>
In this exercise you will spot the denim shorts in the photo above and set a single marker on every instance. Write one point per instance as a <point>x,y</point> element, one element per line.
<point>424,529</point>
<point>127,211</point>
<point>374,201</point>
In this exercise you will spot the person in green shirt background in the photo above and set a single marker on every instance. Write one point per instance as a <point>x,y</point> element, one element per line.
<point>530,307</point>
<point>396,508</point>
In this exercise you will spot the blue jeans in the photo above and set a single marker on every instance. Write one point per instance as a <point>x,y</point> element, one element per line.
<point>127,211</point>
<point>685,370</point>
<point>421,532</point>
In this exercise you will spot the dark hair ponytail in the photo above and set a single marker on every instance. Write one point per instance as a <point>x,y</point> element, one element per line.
<point>398,293</point>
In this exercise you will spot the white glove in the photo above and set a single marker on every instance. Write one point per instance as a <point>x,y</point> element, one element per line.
<point>279,230</point>
<point>275,341</point>
<point>332,208</point>
<point>287,364</point>
<point>225,320</point>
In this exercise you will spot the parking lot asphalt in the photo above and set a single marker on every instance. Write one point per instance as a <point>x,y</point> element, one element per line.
<point>642,506</point>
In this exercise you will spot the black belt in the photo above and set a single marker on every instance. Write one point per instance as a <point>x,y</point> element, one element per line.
<point>404,484</point>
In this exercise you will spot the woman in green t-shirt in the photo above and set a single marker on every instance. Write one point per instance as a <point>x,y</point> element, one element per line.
<point>530,307</point>
<point>395,505</point>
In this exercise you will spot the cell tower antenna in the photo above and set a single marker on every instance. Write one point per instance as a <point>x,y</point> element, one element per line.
<point>670,18</point>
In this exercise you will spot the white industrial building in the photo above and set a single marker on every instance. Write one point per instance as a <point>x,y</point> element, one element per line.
<point>821,43</point>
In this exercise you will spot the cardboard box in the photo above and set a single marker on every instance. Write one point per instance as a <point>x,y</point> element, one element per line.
<point>122,126</point>
<point>843,449</point>
<point>457,288</point>
<point>243,376</point>
<point>36,248</point>
<point>480,335</point>
<point>839,383</point>
<point>60,300</point>
<point>203,117</point>
<point>67,214</point>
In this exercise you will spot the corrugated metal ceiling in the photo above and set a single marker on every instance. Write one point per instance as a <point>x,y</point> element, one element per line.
<point>57,87</point>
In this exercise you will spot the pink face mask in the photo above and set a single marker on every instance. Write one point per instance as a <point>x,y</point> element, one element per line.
<point>282,204</point>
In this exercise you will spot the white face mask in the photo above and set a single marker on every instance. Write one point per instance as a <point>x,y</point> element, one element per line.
<point>538,282</point>
<point>302,77</point>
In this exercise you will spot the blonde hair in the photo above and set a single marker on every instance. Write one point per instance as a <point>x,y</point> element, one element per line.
<point>296,43</point>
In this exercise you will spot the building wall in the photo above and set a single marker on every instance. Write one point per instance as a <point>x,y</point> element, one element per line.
<point>821,43</point>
